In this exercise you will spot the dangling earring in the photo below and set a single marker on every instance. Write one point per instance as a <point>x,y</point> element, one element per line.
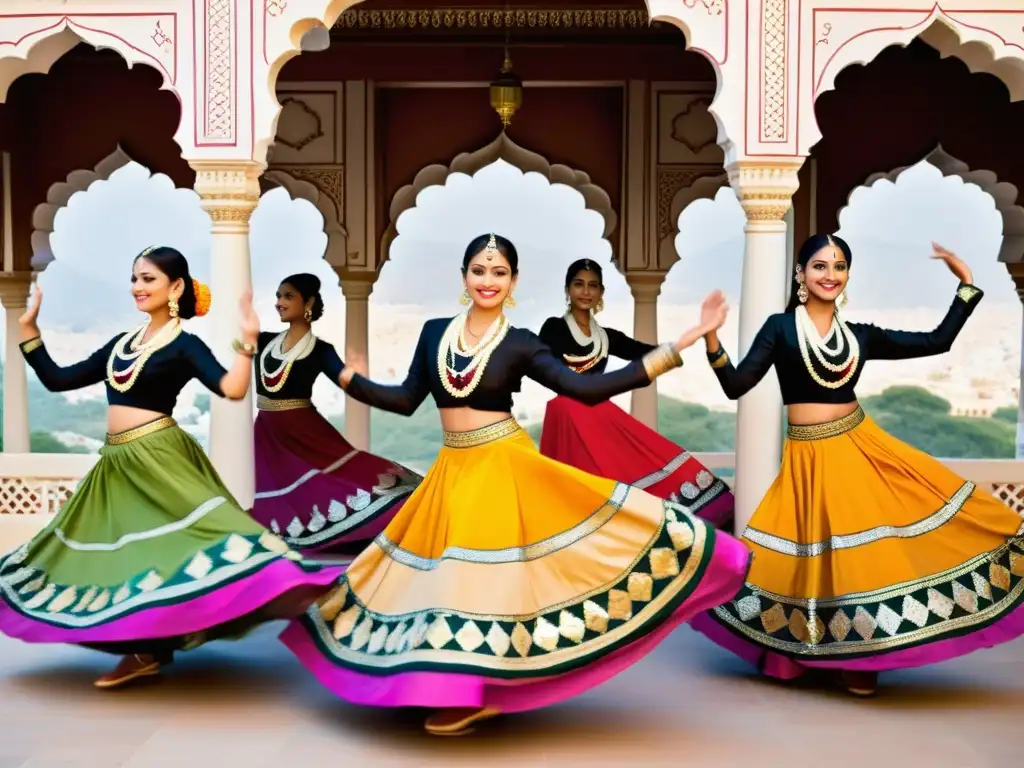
<point>464,298</point>
<point>843,298</point>
<point>172,306</point>
<point>801,290</point>
<point>568,303</point>
<point>510,301</point>
<point>308,315</point>
<point>599,307</point>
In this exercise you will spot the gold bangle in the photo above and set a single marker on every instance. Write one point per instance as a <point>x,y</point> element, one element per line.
<point>31,345</point>
<point>966,292</point>
<point>661,359</point>
<point>249,350</point>
<point>720,360</point>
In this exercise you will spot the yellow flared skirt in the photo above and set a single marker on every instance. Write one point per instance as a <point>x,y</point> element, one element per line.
<point>865,545</point>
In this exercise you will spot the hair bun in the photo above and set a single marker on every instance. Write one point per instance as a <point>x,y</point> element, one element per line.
<point>203,297</point>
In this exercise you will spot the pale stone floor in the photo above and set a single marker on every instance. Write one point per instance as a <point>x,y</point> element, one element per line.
<point>250,705</point>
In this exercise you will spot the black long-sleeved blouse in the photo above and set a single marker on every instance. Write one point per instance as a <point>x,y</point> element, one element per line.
<point>556,334</point>
<point>299,384</point>
<point>158,385</point>
<point>520,354</point>
<point>776,344</point>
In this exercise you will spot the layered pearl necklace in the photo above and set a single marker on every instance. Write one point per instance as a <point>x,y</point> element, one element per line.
<point>598,340</point>
<point>461,383</point>
<point>131,348</point>
<point>274,378</point>
<point>828,357</point>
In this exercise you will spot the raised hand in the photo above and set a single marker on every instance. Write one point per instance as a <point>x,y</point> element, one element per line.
<point>250,321</point>
<point>28,320</point>
<point>955,264</point>
<point>713,312</point>
<point>355,364</point>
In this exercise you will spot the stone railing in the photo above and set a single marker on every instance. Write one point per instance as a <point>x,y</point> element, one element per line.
<point>33,487</point>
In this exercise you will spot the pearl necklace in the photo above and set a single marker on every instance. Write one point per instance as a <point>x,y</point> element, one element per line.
<point>274,379</point>
<point>811,341</point>
<point>598,341</point>
<point>462,383</point>
<point>130,347</point>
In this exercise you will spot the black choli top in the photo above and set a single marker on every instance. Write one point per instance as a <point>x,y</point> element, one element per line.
<point>161,379</point>
<point>521,353</point>
<point>299,384</point>
<point>556,334</point>
<point>776,344</point>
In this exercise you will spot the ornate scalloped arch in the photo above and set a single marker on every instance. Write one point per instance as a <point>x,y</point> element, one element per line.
<point>704,24</point>
<point>327,203</point>
<point>58,196</point>
<point>703,188</point>
<point>840,41</point>
<point>502,148</point>
<point>1003,193</point>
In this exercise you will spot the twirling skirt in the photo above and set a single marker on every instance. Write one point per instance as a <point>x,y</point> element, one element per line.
<point>510,580</point>
<point>152,546</point>
<point>314,489</point>
<point>606,441</point>
<point>879,558</point>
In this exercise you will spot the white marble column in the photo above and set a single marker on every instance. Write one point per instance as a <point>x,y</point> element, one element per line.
<point>357,288</point>
<point>229,192</point>
<point>765,191</point>
<point>14,288</point>
<point>645,287</point>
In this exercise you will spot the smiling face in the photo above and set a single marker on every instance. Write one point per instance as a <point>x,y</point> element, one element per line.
<point>489,279</point>
<point>290,305</point>
<point>585,290</point>
<point>151,288</point>
<point>826,274</point>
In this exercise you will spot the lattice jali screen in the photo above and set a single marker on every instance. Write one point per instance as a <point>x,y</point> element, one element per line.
<point>1011,494</point>
<point>32,496</point>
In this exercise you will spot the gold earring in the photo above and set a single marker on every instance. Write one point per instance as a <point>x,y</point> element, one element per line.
<point>599,307</point>
<point>308,315</point>
<point>464,298</point>
<point>801,291</point>
<point>510,301</point>
<point>843,298</point>
<point>172,306</point>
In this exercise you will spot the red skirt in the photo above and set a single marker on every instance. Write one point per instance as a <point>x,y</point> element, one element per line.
<point>318,492</point>
<point>606,441</point>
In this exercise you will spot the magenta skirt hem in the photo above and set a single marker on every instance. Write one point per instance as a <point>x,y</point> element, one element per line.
<point>1009,627</point>
<point>722,580</point>
<point>227,603</point>
<point>719,512</point>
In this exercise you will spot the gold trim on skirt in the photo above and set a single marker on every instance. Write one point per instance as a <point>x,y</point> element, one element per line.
<point>264,403</point>
<point>121,438</point>
<point>827,429</point>
<point>476,437</point>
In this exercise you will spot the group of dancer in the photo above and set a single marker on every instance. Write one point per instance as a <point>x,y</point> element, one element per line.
<point>509,578</point>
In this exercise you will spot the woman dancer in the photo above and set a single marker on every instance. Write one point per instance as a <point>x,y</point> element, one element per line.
<point>879,558</point>
<point>312,486</point>
<point>151,554</point>
<point>603,439</point>
<point>509,581</point>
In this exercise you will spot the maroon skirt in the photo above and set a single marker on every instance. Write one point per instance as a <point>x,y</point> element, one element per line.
<point>606,441</point>
<point>318,492</point>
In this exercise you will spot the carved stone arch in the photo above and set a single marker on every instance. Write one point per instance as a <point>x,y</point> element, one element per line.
<point>502,148</point>
<point>324,188</point>
<point>676,190</point>
<point>40,39</point>
<point>58,196</point>
<point>1002,193</point>
<point>849,37</point>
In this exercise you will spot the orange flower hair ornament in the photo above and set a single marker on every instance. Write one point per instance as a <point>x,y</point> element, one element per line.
<point>203,298</point>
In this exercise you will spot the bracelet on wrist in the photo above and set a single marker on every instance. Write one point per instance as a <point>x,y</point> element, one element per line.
<point>31,345</point>
<point>661,359</point>
<point>244,348</point>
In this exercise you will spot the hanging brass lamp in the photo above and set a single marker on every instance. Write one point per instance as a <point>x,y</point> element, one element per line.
<point>506,92</point>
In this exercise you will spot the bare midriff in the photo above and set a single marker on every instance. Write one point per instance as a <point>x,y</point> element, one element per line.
<point>121,418</point>
<point>819,413</point>
<point>468,419</point>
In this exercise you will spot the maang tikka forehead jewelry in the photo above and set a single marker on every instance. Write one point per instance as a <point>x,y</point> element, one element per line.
<point>491,248</point>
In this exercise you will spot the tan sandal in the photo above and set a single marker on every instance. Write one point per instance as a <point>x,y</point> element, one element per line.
<point>136,670</point>
<point>460,727</point>
<point>860,684</point>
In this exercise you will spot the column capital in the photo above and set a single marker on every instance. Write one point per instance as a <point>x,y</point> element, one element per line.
<point>229,191</point>
<point>765,187</point>
<point>356,285</point>
<point>14,289</point>
<point>645,286</point>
